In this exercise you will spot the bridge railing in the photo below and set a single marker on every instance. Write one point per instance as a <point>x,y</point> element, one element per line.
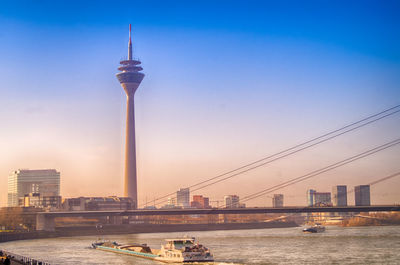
<point>23,259</point>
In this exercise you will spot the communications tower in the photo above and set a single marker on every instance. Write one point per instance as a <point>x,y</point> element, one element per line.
<point>130,78</point>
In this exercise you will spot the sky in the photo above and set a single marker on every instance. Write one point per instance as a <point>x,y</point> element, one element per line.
<point>226,83</point>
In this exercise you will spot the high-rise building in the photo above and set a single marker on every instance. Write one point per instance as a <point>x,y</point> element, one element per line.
<point>362,195</point>
<point>277,200</point>
<point>24,181</point>
<point>231,201</point>
<point>339,194</point>
<point>310,197</point>
<point>130,79</point>
<point>183,197</point>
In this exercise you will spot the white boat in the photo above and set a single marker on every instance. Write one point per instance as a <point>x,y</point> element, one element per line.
<point>314,229</point>
<point>175,250</point>
<point>184,250</point>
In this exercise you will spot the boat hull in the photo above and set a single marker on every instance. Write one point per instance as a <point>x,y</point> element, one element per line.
<point>152,256</point>
<point>314,230</point>
<point>128,252</point>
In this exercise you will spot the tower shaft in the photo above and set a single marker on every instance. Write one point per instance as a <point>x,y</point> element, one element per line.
<point>130,78</point>
<point>130,179</point>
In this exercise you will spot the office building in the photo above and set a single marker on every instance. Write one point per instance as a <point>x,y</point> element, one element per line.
<point>231,201</point>
<point>130,78</point>
<point>21,182</point>
<point>277,200</point>
<point>315,198</point>
<point>183,197</point>
<point>362,195</point>
<point>200,202</point>
<point>310,197</point>
<point>339,194</point>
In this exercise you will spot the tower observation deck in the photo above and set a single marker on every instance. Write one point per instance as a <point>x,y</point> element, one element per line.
<point>130,78</point>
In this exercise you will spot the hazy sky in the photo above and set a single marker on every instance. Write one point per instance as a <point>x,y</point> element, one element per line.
<point>227,82</point>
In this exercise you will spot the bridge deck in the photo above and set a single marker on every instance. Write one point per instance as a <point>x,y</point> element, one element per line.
<point>380,208</point>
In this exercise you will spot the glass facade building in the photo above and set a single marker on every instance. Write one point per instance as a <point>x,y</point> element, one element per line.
<point>310,197</point>
<point>183,197</point>
<point>339,194</point>
<point>362,195</point>
<point>24,181</point>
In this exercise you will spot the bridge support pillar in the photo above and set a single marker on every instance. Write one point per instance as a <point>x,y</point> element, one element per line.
<point>44,223</point>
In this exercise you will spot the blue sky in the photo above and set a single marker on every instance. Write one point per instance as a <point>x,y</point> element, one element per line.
<point>226,83</point>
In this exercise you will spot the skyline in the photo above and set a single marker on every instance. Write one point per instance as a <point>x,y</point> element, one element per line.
<point>219,93</point>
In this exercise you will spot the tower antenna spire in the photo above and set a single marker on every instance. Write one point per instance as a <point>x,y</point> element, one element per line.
<point>130,44</point>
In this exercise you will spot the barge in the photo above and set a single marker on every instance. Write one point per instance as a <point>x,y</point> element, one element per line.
<point>175,250</point>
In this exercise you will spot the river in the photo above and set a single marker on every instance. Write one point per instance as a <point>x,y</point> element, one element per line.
<point>338,245</point>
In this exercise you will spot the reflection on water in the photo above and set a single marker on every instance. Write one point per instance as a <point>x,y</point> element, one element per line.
<point>354,245</point>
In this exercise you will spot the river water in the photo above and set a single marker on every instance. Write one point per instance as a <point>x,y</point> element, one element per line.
<point>338,245</point>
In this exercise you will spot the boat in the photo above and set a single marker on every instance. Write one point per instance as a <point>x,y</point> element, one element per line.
<point>175,250</point>
<point>314,229</point>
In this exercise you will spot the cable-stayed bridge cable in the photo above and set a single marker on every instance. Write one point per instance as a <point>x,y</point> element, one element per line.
<point>305,145</point>
<point>348,192</point>
<point>322,170</point>
<point>380,180</point>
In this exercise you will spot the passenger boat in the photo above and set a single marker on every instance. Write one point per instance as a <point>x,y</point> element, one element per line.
<point>314,229</point>
<point>175,250</point>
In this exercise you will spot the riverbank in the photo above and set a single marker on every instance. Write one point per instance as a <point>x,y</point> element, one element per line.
<point>139,228</point>
<point>373,219</point>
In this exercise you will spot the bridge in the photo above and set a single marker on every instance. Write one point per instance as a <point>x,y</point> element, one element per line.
<point>45,220</point>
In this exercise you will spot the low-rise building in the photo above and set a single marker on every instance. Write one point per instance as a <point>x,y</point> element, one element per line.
<point>200,202</point>
<point>322,199</point>
<point>98,203</point>
<point>37,200</point>
<point>315,198</point>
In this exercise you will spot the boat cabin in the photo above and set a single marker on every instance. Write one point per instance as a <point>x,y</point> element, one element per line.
<point>179,243</point>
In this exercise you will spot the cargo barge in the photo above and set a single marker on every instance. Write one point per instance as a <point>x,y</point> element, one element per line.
<point>175,250</point>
